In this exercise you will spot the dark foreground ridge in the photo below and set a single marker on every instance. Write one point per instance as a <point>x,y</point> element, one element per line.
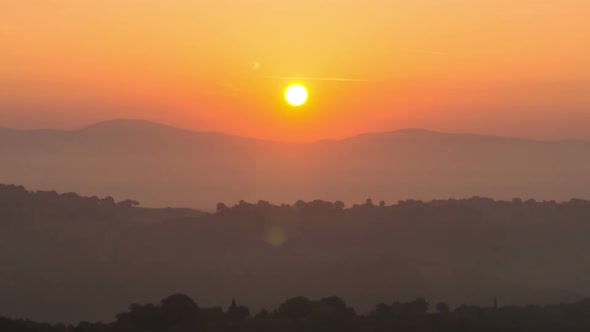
<point>179,313</point>
<point>65,257</point>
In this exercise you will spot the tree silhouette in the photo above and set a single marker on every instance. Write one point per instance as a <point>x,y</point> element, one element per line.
<point>295,308</point>
<point>178,308</point>
<point>237,313</point>
<point>221,207</point>
<point>443,308</point>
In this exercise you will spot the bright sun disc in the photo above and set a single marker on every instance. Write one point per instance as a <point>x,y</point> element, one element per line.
<point>296,95</point>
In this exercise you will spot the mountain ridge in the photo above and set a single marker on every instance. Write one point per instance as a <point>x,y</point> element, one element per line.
<point>164,166</point>
<point>135,124</point>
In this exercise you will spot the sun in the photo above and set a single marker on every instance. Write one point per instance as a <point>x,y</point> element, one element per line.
<point>296,94</point>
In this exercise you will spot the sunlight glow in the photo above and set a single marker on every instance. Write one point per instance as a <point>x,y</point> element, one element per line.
<point>296,95</point>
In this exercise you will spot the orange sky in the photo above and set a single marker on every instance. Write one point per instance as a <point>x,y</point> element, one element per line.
<point>519,68</point>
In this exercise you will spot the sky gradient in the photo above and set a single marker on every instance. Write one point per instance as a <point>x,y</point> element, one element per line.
<point>494,67</point>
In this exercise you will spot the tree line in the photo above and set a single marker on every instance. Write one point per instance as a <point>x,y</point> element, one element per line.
<point>181,313</point>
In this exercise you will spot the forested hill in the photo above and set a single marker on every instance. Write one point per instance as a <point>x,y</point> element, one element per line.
<point>66,258</point>
<point>20,205</point>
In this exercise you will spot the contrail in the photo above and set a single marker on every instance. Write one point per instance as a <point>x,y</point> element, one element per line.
<point>335,79</point>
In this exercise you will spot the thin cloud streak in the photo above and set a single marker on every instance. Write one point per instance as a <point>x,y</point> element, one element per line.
<point>335,79</point>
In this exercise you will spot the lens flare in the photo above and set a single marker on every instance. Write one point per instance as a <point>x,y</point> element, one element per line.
<point>276,236</point>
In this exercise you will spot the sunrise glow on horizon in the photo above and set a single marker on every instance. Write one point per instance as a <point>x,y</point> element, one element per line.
<point>458,66</point>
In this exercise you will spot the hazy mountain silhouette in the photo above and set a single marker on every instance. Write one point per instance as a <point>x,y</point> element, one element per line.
<point>160,165</point>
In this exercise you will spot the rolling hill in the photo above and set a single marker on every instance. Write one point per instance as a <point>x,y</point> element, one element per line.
<point>65,257</point>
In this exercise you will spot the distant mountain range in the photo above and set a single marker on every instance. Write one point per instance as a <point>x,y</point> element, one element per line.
<point>164,166</point>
